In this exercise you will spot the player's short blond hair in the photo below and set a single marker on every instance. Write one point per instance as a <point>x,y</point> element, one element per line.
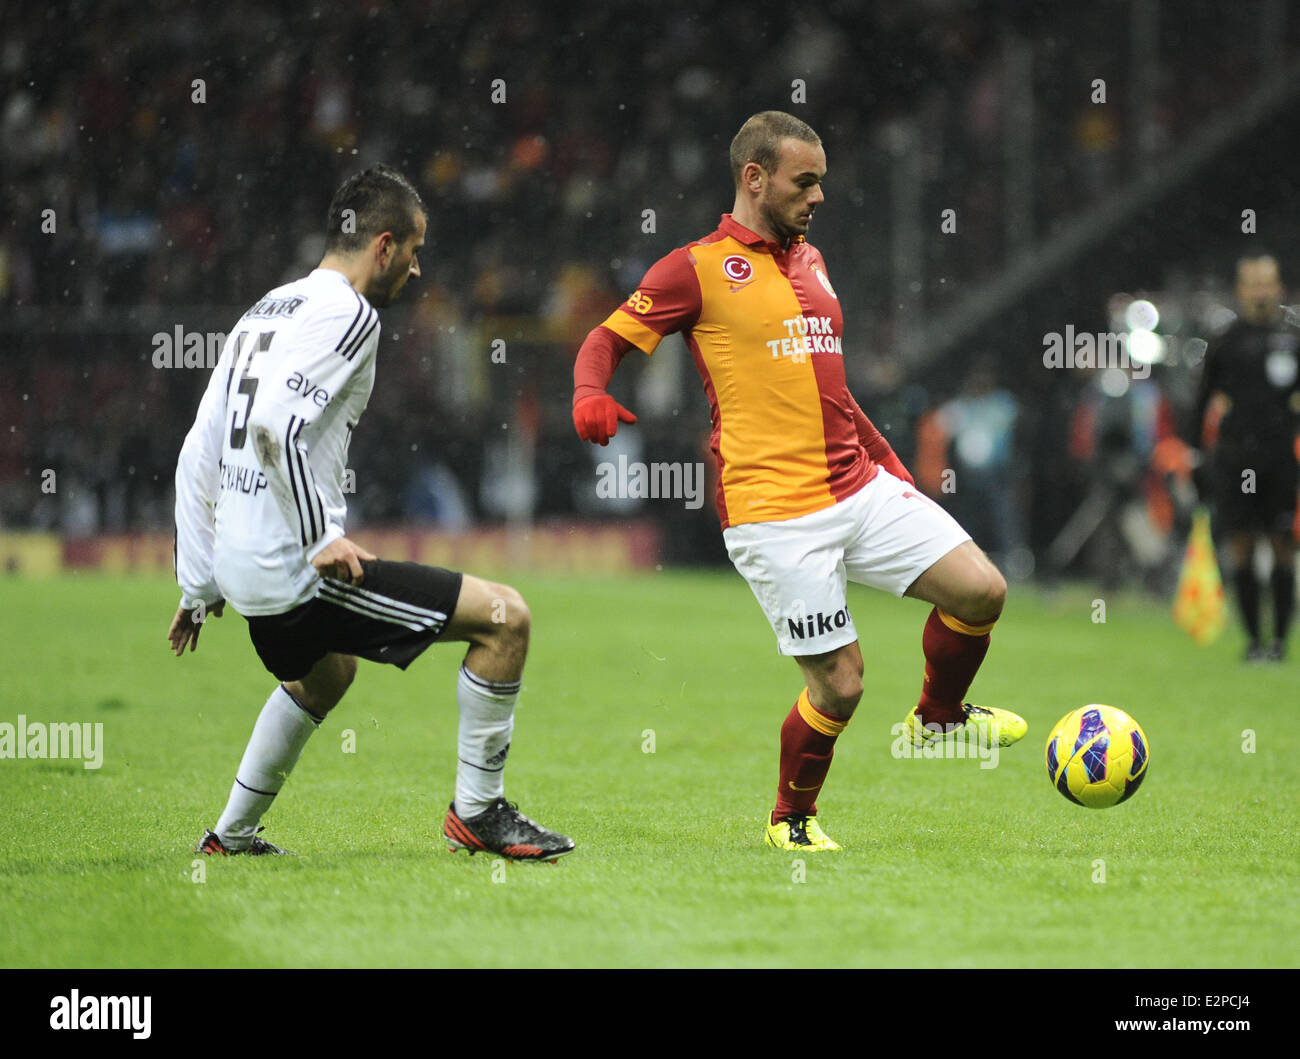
<point>759,140</point>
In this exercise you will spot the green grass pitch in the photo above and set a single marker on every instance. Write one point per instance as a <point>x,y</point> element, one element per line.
<point>945,864</point>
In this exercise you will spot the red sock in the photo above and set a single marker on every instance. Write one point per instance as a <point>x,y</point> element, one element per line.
<point>953,653</point>
<point>807,744</point>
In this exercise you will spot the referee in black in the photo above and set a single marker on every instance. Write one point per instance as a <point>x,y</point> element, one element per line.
<point>1252,471</point>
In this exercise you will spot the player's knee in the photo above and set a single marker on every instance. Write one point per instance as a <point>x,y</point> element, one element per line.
<point>345,672</point>
<point>984,597</point>
<point>849,692</point>
<point>841,698</point>
<point>323,688</point>
<point>834,681</point>
<point>511,616</point>
<point>995,592</point>
<point>843,689</point>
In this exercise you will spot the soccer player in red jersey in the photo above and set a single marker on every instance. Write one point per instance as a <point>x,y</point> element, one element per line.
<point>811,495</point>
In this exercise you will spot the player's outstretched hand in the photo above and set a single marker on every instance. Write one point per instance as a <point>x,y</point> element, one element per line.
<point>596,418</point>
<point>341,560</point>
<point>187,624</point>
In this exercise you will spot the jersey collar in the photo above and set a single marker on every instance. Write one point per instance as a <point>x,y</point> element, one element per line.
<point>732,227</point>
<point>330,272</point>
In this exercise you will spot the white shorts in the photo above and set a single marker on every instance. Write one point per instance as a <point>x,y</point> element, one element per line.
<point>885,535</point>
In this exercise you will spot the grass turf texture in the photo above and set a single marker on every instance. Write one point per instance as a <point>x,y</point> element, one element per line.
<point>945,864</point>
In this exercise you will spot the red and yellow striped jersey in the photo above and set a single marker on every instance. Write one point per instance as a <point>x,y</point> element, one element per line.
<point>764,327</point>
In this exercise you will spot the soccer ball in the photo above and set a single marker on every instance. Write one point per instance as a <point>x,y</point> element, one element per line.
<point>1097,756</point>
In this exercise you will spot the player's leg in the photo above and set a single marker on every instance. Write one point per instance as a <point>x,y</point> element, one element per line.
<point>833,687</point>
<point>796,573</point>
<point>963,584</point>
<point>292,713</point>
<point>834,679</point>
<point>909,545</point>
<point>495,621</point>
<point>968,593</point>
<point>322,689</point>
<point>1283,583</point>
<point>400,609</point>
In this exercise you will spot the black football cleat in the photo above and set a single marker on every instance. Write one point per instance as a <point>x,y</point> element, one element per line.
<point>502,828</point>
<point>211,845</point>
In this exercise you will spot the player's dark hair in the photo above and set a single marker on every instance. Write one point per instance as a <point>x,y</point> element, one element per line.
<point>760,138</point>
<point>369,203</point>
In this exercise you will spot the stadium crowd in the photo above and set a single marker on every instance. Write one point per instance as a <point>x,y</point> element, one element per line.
<point>163,168</point>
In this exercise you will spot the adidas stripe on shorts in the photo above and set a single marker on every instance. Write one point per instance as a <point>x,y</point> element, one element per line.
<point>397,611</point>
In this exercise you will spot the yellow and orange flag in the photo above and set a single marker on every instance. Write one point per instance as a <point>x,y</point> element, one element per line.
<point>1199,607</point>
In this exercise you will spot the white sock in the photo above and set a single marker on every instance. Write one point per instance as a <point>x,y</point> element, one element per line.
<point>282,730</point>
<point>487,718</point>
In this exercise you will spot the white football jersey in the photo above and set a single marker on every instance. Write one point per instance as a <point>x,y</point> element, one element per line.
<point>259,483</point>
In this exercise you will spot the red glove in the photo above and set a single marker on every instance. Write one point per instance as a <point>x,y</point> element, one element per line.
<point>596,418</point>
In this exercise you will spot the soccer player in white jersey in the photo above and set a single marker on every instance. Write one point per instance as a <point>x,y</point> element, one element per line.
<point>260,524</point>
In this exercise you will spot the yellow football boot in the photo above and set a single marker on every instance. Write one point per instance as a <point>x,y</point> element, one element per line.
<point>988,721</point>
<point>799,833</point>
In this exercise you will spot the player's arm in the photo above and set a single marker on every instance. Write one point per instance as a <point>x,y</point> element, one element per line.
<point>877,447</point>
<point>291,391</point>
<point>668,300</point>
<point>596,415</point>
<point>198,478</point>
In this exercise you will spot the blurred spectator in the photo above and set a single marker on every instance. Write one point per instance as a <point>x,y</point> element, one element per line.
<point>979,425</point>
<point>1121,523</point>
<point>187,156</point>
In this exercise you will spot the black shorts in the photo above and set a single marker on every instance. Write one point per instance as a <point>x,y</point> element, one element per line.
<point>1271,507</point>
<point>397,611</point>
